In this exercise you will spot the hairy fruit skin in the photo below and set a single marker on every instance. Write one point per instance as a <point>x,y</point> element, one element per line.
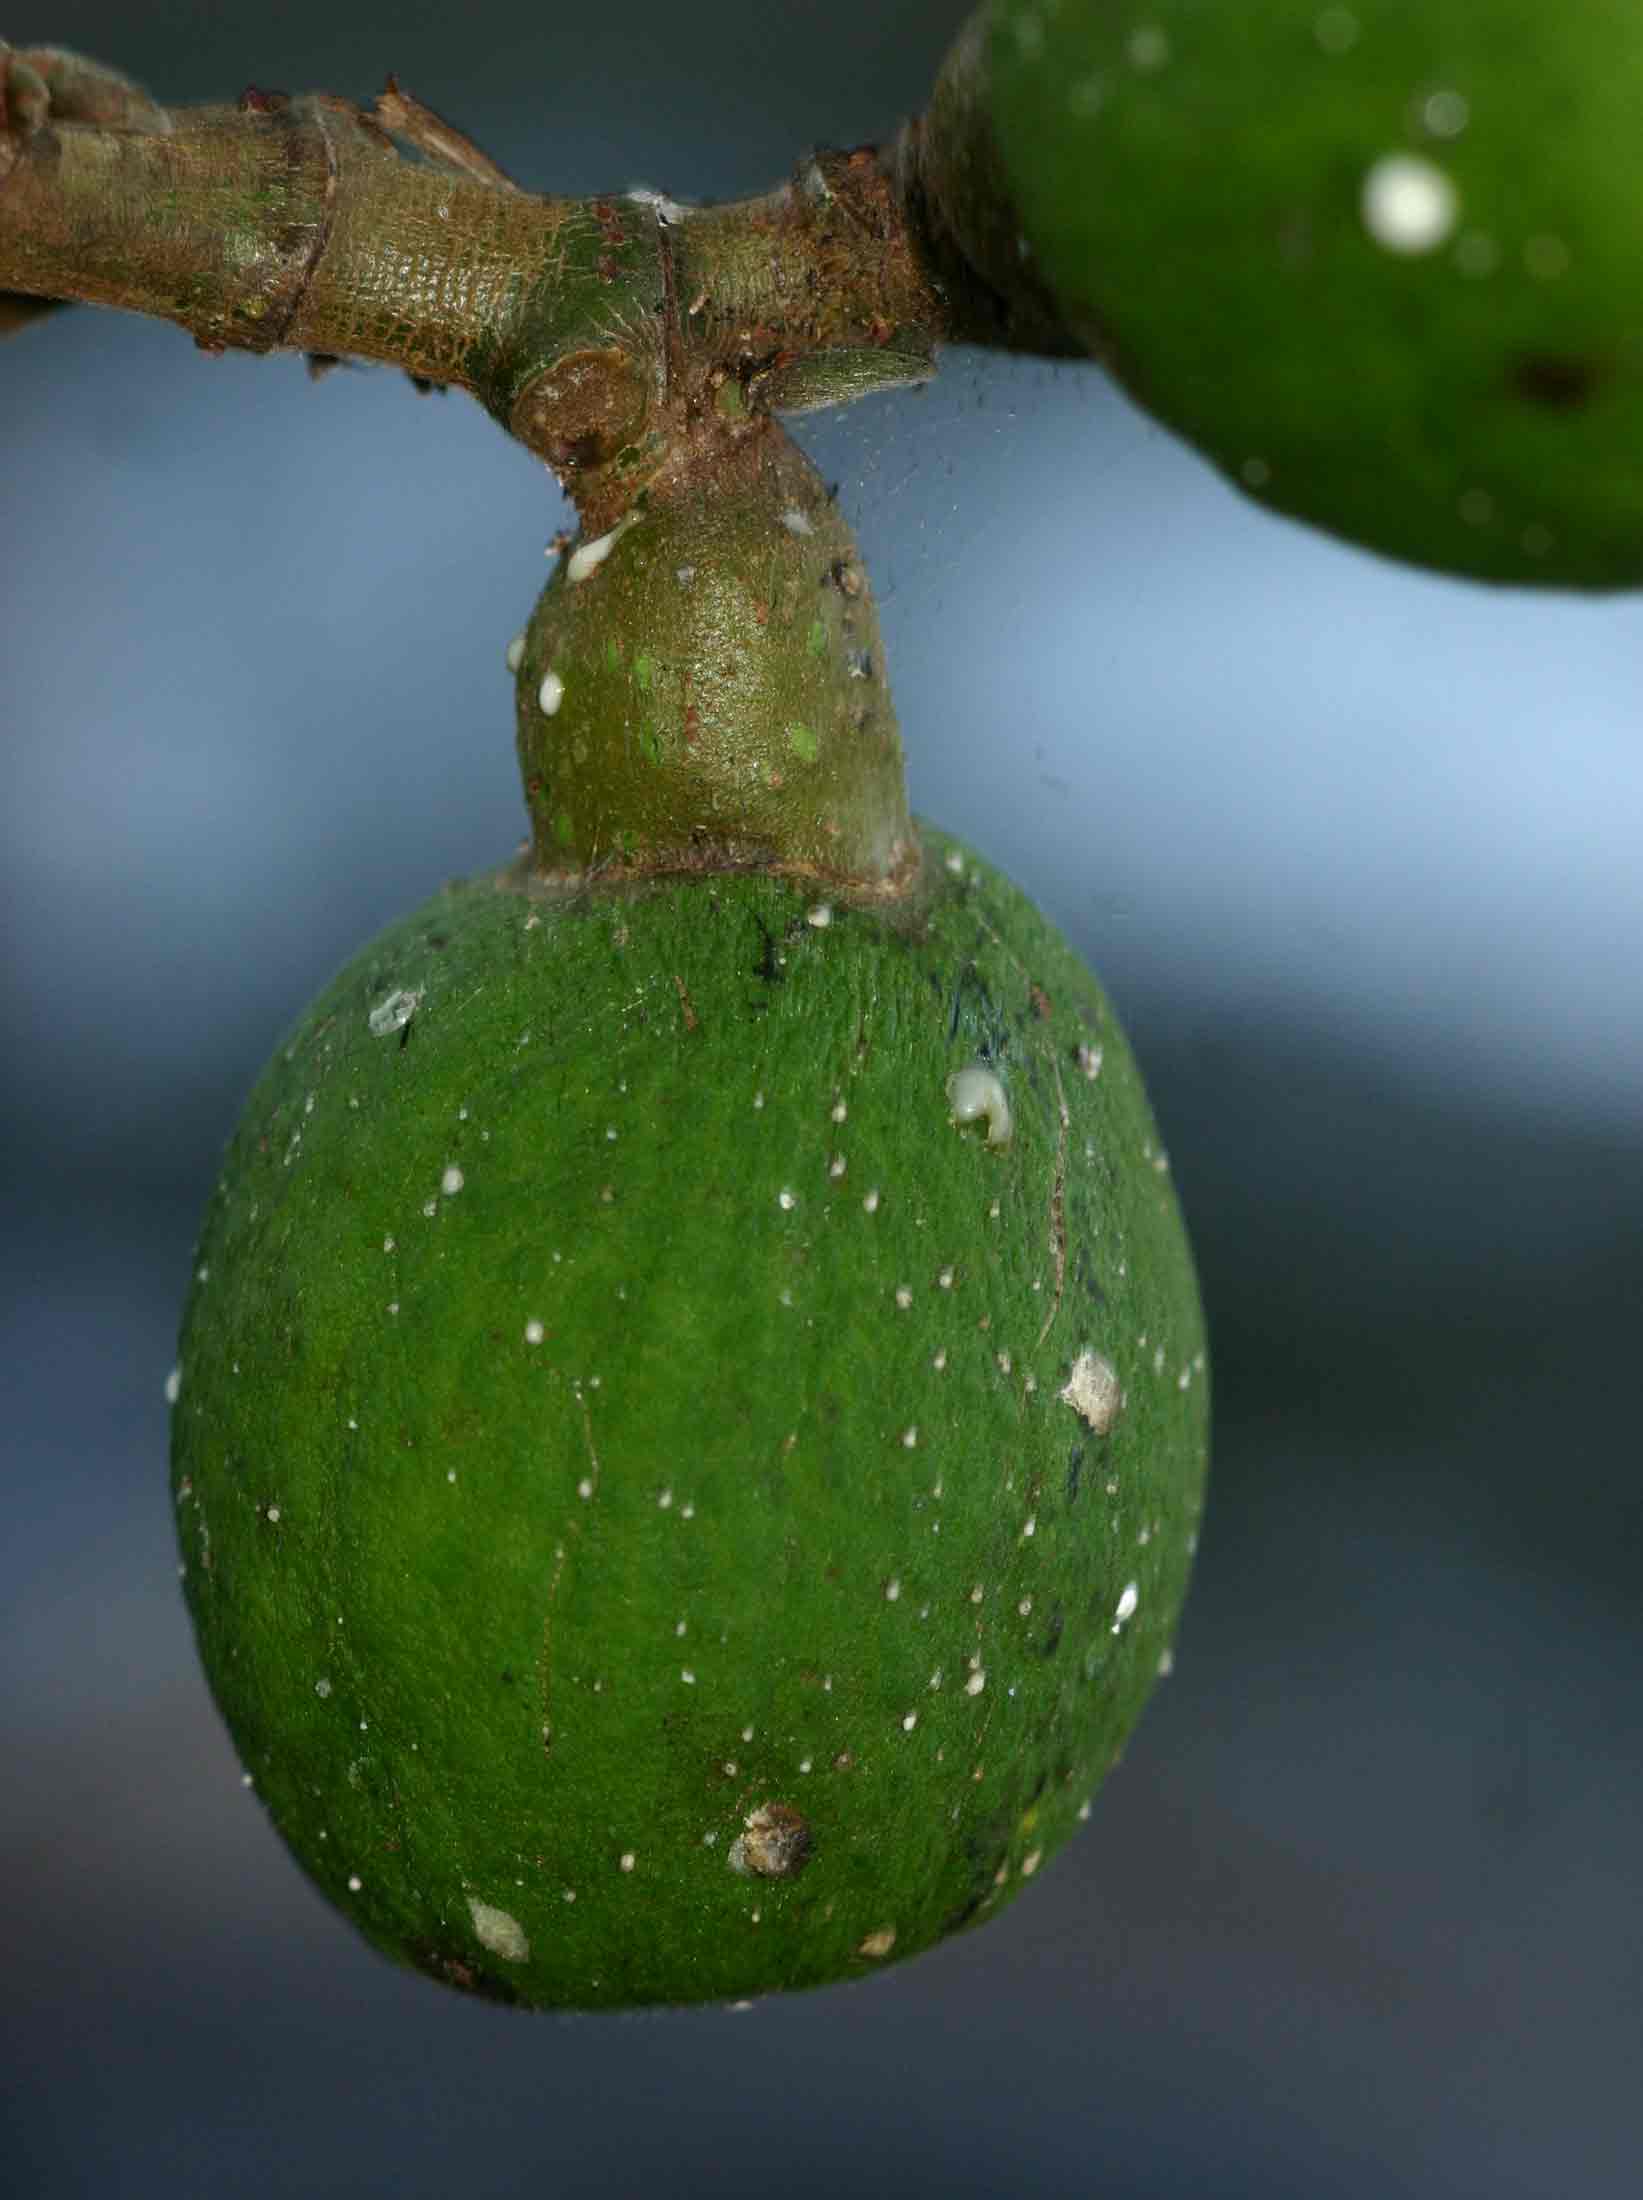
<point>668,1514</point>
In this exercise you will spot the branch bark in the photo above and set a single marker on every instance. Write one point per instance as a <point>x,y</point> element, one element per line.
<point>593,329</point>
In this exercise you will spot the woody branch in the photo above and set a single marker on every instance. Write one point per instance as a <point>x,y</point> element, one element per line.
<point>591,328</point>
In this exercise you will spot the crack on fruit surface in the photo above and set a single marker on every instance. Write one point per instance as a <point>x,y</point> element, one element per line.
<point>1058,1206</point>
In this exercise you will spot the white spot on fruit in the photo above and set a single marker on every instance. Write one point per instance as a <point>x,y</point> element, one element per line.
<point>976,1092</point>
<point>550,694</point>
<point>394,1013</point>
<point>797,522</point>
<point>1129,1598</point>
<point>1093,1391</point>
<point>534,1332</point>
<point>879,1943</point>
<point>452,1181</point>
<point>669,212</point>
<point>516,653</point>
<point>1407,204</point>
<point>589,556</point>
<point>173,1386</point>
<point>496,1930</point>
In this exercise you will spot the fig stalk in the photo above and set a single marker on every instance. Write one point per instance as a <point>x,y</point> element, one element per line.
<point>702,684</point>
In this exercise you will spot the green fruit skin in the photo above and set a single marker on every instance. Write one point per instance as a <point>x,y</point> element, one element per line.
<point>1190,179</point>
<point>783,1508</point>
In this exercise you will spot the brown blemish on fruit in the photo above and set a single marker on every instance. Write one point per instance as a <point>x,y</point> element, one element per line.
<point>684,1002</point>
<point>458,1971</point>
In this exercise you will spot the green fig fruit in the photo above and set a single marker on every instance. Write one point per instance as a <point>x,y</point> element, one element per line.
<point>1377,261</point>
<point>691,1417</point>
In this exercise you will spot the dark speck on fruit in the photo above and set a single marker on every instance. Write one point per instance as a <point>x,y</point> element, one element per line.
<point>767,967</point>
<point>1560,382</point>
<point>1075,1472</point>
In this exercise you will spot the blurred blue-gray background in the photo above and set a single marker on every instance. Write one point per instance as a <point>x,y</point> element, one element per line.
<point>1357,852</point>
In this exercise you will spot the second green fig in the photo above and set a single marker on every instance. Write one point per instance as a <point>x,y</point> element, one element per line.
<point>1379,262</point>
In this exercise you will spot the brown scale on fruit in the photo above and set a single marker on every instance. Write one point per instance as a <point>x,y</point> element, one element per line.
<point>775,1843</point>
